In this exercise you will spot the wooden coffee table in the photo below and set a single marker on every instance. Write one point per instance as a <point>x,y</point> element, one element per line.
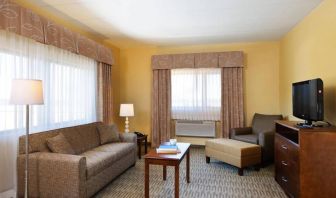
<point>168,160</point>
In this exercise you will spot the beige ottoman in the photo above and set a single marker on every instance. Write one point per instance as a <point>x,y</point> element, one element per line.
<point>237,153</point>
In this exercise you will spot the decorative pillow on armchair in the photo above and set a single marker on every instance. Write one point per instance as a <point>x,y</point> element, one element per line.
<point>108,133</point>
<point>59,144</point>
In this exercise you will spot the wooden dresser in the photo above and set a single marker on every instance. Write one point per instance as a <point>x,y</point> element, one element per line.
<point>305,160</point>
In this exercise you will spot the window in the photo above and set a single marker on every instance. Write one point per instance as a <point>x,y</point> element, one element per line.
<point>69,83</point>
<point>196,94</point>
<point>69,86</point>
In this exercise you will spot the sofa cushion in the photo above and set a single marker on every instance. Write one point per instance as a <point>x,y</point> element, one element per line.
<point>120,148</point>
<point>74,138</point>
<point>59,144</point>
<point>103,156</point>
<point>89,135</point>
<point>252,138</point>
<point>98,161</point>
<point>82,138</point>
<point>108,133</point>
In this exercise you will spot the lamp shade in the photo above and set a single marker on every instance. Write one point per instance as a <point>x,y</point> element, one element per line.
<point>26,92</point>
<point>126,110</point>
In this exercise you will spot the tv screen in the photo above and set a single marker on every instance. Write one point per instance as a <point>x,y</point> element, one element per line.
<point>308,100</point>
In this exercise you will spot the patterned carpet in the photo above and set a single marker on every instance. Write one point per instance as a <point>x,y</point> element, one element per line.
<point>207,180</point>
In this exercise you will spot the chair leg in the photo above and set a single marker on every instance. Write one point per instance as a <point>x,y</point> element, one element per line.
<point>207,159</point>
<point>240,171</point>
<point>257,167</point>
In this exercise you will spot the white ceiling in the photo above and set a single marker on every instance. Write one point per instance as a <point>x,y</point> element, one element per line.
<point>129,23</point>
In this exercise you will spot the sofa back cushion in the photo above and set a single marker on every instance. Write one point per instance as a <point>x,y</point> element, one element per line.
<point>74,139</point>
<point>81,138</point>
<point>264,123</point>
<point>108,133</point>
<point>89,135</point>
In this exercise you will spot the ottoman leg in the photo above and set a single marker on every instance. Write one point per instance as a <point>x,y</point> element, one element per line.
<point>257,167</point>
<point>207,159</point>
<point>240,171</point>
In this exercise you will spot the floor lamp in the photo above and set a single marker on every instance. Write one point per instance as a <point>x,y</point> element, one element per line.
<point>126,110</point>
<point>26,92</point>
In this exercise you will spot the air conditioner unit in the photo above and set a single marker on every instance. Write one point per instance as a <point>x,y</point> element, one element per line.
<point>195,128</point>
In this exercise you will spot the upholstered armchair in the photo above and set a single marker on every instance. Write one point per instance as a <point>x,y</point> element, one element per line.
<point>261,133</point>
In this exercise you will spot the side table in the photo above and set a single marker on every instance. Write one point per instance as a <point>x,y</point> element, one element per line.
<point>141,139</point>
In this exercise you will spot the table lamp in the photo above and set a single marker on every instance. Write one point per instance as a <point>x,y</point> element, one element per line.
<point>26,92</point>
<point>126,110</point>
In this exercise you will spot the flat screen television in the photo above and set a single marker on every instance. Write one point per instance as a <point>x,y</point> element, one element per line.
<point>308,100</point>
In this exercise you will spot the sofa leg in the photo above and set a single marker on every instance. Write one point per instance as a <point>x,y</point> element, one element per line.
<point>207,159</point>
<point>240,171</point>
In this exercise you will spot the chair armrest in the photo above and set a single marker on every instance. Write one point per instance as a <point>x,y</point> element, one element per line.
<point>62,175</point>
<point>266,141</point>
<point>128,137</point>
<point>240,131</point>
<point>266,138</point>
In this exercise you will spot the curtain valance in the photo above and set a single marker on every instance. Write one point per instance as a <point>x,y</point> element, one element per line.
<point>25,22</point>
<point>198,60</point>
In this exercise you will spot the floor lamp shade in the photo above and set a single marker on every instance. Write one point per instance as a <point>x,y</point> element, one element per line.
<point>26,92</point>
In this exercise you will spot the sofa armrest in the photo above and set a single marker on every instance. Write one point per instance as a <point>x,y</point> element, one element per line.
<point>62,175</point>
<point>132,138</point>
<point>128,137</point>
<point>33,174</point>
<point>240,131</point>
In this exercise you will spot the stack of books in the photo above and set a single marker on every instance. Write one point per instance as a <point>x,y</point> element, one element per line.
<point>168,149</point>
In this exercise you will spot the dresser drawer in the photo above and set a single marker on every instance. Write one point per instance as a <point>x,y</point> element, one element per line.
<point>288,180</point>
<point>289,184</point>
<point>285,160</point>
<point>286,148</point>
<point>287,165</point>
<point>288,169</point>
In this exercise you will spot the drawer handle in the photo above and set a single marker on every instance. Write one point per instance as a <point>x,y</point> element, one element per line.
<point>284,163</point>
<point>284,179</point>
<point>284,147</point>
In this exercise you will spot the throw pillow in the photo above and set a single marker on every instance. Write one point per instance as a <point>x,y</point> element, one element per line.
<point>108,134</point>
<point>59,144</point>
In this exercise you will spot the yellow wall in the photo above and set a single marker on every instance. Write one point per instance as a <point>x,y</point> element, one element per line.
<point>307,52</point>
<point>261,78</point>
<point>135,86</point>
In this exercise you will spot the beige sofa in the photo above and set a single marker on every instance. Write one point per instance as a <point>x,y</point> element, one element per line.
<point>81,175</point>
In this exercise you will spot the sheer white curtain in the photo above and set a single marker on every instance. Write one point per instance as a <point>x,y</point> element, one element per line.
<point>196,94</point>
<point>69,83</point>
